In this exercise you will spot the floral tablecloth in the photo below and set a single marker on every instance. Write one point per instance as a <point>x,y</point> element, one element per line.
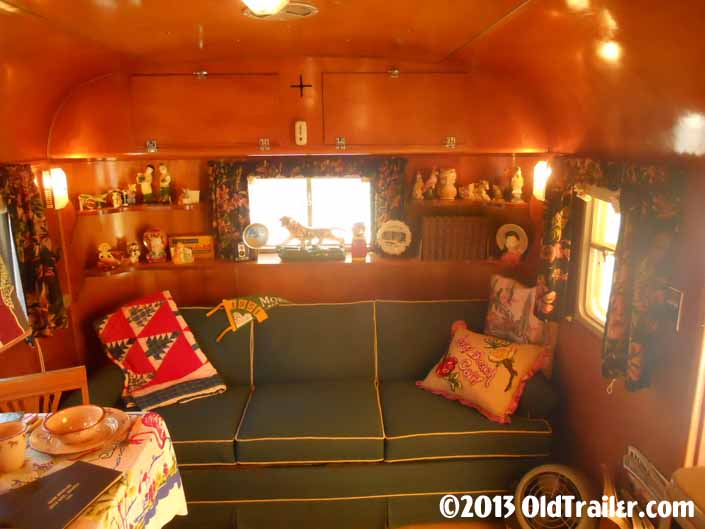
<point>150,492</point>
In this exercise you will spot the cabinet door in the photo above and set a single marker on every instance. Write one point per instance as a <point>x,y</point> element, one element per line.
<point>219,110</point>
<point>412,109</point>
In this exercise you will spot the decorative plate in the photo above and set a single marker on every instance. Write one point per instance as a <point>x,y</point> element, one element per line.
<point>255,236</point>
<point>112,429</point>
<point>394,237</point>
<point>512,229</point>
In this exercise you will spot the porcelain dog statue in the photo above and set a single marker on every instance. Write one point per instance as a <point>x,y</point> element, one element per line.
<point>306,235</point>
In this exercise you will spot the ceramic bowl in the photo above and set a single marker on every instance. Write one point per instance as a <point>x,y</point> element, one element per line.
<point>13,443</point>
<point>75,425</point>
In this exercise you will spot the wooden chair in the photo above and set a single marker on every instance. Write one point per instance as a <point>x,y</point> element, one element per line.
<point>41,392</point>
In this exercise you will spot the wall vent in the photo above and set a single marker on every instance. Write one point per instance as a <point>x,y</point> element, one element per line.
<point>293,11</point>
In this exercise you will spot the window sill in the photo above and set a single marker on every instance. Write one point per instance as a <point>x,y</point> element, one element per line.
<point>591,325</point>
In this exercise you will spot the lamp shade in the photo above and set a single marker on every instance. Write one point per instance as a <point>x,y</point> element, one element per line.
<point>265,7</point>
<point>542,172</point>
<point>59,188</point>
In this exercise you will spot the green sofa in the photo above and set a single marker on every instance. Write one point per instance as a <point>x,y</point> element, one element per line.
<point>322,425</point>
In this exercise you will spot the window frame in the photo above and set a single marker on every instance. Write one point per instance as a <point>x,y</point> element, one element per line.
<point>309,207</point>
<point>583,312</point>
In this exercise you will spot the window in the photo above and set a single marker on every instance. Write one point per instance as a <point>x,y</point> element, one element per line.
<point>8,253</point>
<point>320,202</point>
<point>601,235</point>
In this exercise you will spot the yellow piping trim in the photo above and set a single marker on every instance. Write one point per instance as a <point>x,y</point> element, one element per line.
<point>284,305</point>
<point>474,456</point>
<point>316,462</point>
<point>309,438</point>
<point>371,497</point>
<point>379,406</point>
<point>252,354</point>
<point>374,328</point>
<point>244,412</point>
<point>476,432</point>
<point>429,300</point>
<point>203,441</point>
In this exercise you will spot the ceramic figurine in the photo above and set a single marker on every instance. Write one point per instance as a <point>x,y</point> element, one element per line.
<point>497,195</point>
<point>145,182</point>
<point>517,186</point>
<point>91,202</point>
<point>359,243</point>
<point>464,192</point>
<point>429,187</point>
<point>306,235</point>
<point>447,189</point>
<point>134,253</point>
<point>155,241</point>
<point>484,188</point>
<point>131,195</point>
<point>116,198</point>
<point>164,184</point>
<point>106,260</point>
<point>417,193</point>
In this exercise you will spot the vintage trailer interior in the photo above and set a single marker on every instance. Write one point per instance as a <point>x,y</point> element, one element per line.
<point>352,264</point>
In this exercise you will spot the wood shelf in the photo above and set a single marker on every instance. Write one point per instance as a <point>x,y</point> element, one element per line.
<point>140,207</point>
<point>463,206</point>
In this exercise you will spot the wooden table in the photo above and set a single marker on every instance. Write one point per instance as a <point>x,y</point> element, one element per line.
<point>150,493</point>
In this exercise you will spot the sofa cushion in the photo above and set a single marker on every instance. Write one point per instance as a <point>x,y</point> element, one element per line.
<point>300,343</point>
<point>411,336</point>
<point>203,431</point>
<point>312,422</point>
<point>440,429</point>
<point>230,356</point>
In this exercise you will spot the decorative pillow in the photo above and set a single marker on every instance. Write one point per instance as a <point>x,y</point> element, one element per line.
<point>510,314</point>
<point>158,354</point>
<point>484,372</point>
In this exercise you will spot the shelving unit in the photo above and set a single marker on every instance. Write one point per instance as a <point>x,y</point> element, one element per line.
<point>137,208</point>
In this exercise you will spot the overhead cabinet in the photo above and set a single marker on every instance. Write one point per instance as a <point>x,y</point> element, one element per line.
<point>214,110</point>
<point>411,109</point>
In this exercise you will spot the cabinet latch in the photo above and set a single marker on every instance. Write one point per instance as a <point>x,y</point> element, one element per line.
<point>450,142</point>
<point>340,143</point>
<point>151,146</point>
<point>264,144</point>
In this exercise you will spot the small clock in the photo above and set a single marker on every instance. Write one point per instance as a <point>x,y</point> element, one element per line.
<point>394,237</point>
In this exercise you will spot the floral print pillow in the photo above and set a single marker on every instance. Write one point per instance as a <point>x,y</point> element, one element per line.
<point>510,314</point>
<point>484,372</point>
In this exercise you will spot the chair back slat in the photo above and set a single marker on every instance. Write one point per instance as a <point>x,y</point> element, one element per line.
<point>41,392</point>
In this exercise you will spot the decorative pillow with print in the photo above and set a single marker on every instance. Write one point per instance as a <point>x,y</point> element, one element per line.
<point>510,314</point>
<point>158,354</point>
<point>484,372</point>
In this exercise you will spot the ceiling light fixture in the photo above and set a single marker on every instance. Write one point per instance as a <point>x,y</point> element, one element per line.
<point>610,51</point>
<point>265,7</point>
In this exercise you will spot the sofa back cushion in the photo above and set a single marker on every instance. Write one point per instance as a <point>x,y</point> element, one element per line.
<point>411,335</point>
<point>230,356</point>
<point>325,341</point>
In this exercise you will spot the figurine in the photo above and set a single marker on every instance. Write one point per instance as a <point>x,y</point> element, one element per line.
<point>465,192</point>
<point>429,187</point>
<point>305,235</point>
<point>155,241</point>
<point>417,192</point>
<point>164,184</point>
<point>447,189</point>
<point>483,191</point>
<point>145,182</point>
<point>517,186</point>
<point>131,195</point>
<point>106,260</point>
<point>116,198</point>
<point>497,195</point>
<point>359,243</point>
<point>133,253</point>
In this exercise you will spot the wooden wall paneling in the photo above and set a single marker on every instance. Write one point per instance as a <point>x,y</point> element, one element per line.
<point>221,109</point>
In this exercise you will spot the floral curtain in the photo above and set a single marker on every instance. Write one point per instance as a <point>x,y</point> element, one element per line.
<point>37,260</point>
<point>228,180</point>
<point>650,199</point>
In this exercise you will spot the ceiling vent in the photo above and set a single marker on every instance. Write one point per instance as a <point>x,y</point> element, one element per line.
<point>293,11</point>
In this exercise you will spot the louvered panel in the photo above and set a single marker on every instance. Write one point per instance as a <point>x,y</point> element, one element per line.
<point>454,238</point>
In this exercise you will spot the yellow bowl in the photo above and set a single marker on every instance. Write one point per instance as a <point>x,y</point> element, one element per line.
<point>75,425</point>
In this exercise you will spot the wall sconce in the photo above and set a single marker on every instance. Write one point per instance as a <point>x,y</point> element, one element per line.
<point>59,188</point>
<point>542,172</point>
<point>265,7</point>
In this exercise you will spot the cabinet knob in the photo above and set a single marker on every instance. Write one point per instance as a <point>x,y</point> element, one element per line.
<point>151,146</point>
<point>340,143</point>
<point>450,142</point>
<point>264,144</point>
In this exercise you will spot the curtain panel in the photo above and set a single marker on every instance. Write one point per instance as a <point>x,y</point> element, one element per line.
<point>650,204</point>
<point>230,211</point>
<point>37,260</point>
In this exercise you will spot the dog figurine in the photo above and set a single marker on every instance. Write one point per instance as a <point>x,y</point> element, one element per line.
<point>305,235</point>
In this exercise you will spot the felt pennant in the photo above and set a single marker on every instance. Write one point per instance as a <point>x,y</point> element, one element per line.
<point>241,311</point>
